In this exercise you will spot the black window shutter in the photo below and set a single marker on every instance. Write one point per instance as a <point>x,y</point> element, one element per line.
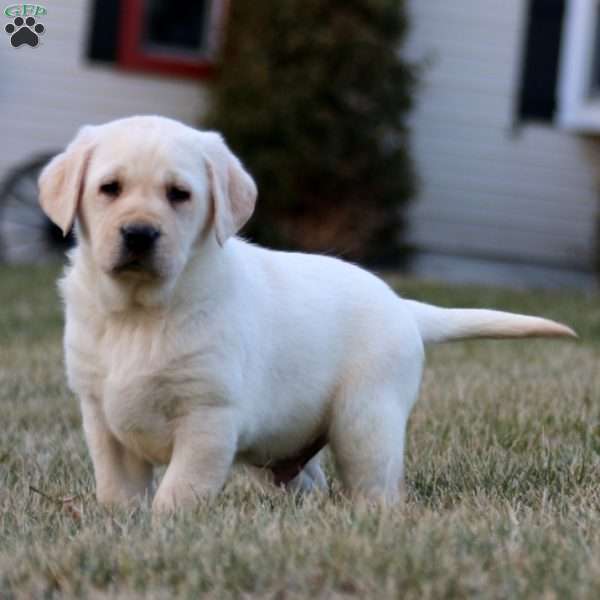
<point>103,35</point>
<point>537,97</point>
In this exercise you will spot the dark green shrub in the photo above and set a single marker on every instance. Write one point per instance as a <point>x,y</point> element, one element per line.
<point>313,95</point>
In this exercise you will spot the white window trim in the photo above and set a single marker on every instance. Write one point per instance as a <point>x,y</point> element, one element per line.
<point>577,110</point>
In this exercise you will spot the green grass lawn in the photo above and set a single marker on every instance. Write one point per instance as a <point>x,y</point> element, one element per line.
<point>503,478</point>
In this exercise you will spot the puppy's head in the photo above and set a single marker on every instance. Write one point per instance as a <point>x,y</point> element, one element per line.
<point>147,192</point>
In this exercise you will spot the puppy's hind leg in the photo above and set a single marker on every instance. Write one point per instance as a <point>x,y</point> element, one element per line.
<point>310,478</point>
<point>314,470</point>
<point>367,438</point>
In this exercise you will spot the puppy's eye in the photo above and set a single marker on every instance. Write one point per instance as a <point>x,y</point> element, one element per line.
<point>112,188</point>
<point>176,194</point>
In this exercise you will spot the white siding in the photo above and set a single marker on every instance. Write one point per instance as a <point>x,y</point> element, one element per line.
<point>48,92</point>
<point>486,190</point>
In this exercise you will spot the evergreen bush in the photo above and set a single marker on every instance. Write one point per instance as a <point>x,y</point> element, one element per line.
<point>313,95</point>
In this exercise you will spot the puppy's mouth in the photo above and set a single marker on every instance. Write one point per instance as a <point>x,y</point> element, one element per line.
<point>140,268</point>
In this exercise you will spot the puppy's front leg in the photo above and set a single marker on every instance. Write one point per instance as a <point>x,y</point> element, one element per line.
<point>203,452</point>
<point>120,474</point>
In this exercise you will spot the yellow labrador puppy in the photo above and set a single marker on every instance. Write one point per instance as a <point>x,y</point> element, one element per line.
<point>192,348</point>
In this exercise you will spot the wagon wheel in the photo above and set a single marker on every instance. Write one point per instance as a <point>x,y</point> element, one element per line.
<point>26,234</point>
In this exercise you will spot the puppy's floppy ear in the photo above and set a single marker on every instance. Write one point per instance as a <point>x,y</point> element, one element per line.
<point>62,180</point>
<point>232,189</point>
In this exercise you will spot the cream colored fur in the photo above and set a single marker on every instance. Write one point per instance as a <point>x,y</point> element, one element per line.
<point>225,351</point>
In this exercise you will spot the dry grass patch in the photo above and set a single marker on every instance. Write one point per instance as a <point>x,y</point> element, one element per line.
<point>503,469</point>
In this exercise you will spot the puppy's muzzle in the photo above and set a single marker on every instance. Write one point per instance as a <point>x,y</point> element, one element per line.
<point>138,245</point>
<point>139,239</point>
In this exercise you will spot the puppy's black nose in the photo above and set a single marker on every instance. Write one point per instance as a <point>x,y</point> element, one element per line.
<point>139,238</point>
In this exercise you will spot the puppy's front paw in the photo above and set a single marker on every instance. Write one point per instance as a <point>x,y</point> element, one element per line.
<point>116,497</point>
<point>170,499</point>
<point>122,491</point>
<point>163,505</point>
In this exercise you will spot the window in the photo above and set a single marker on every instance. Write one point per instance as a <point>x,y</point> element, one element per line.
<point>579,88</point>
<point>539,76</point>
<point>173,37</point>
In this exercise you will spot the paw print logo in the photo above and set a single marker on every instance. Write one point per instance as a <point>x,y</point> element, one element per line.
<point>24,31</point>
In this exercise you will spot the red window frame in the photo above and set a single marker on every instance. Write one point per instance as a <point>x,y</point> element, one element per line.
<point>133,56</point>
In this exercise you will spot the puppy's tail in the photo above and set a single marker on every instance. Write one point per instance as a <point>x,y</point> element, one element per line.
<point>447,324</point>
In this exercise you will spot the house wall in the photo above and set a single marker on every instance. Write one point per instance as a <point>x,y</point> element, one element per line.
<point>48,92</point>
<point>492,197</point>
